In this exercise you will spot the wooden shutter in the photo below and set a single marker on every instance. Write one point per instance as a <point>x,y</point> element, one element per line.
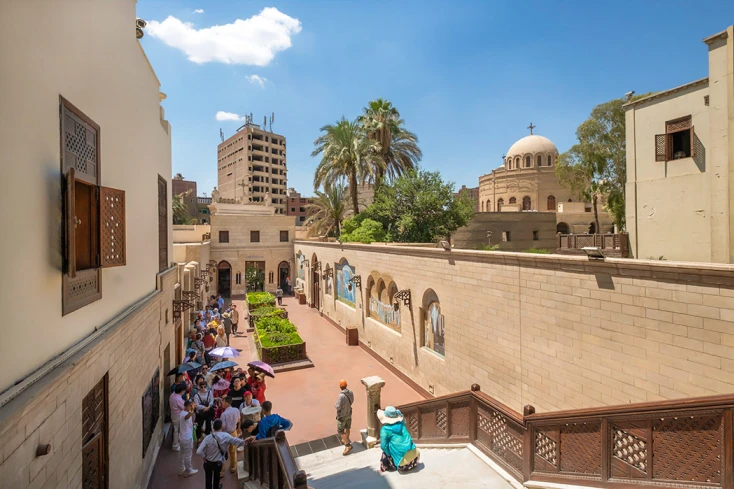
<point>70,223</point>
<point>661,147</point>
<point>112,227</point>
<point>93,466</point>
<point>693,143</point>
<point>162,224</point>
<point>79,143</point>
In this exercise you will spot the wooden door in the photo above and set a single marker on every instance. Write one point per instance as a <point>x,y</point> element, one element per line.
<point>95,461</point>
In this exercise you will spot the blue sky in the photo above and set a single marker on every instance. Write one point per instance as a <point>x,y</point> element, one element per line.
<point>467,76</point>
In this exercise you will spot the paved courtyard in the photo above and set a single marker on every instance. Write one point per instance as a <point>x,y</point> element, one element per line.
<point>307,396</point>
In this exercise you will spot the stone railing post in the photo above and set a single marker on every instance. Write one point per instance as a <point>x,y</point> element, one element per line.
<point>371,434</point>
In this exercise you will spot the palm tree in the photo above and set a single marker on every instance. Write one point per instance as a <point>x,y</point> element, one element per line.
<point>397,147</point>
<point>346,155</point>
<point>180,210</point>
<point>327,210</point>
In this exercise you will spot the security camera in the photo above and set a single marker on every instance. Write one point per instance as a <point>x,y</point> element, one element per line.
<point>628,95</point>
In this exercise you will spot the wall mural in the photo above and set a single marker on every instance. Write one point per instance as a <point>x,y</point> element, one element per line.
<point>434,329</point>
<point>385,313</point>
<point>345,289</point>
<point>329,284</point>
<point>299,261</point>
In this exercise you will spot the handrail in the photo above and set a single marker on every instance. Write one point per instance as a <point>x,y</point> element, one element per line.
<point>271,463</point>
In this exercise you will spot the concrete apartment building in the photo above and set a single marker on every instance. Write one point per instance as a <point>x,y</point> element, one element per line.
<point>82,396</point>
<point>680,165</point>
<point>187,190</point>
<point>251,167</point>
<point>473,194</point>
<point>297,206</point>
<point>203,213</point>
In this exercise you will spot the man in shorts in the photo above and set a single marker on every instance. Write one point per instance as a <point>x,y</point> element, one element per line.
<point>344,416</point>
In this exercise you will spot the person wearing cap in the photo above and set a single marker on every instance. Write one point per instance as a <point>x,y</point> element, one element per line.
<point>227,321</point>
<point>186,438</point>
<point>234,315</point>
<point>398,450</point>
<point>250,407</point>
<point>343,408</point>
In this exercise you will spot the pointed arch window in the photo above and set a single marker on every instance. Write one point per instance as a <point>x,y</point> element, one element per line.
<point>551,203</point>
<point>500,203</point>
<point>513,200</point>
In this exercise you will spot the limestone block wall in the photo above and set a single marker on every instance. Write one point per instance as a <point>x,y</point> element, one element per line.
<point>557,332</point>
<point>50,411</point>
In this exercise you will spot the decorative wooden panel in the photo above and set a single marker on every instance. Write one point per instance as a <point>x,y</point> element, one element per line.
<point>697,440</point>
<point>94,411</point>
<point>630,450</point>
<point>151,410</point>
<point>112,224</point>
<point>500,437</point>
<point>460,416</point>
<point>581,448</point>
<point>411,421</point>
<point>93,472</point>
<point>661,147</point>
<point>546,451</point>
<point>79,144</point>
<point>94,437</point>
<point>162,224</point>
<point>679,125</point>
<point>70,223</point>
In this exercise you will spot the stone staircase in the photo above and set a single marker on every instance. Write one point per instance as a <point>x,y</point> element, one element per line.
<point>446,466</point>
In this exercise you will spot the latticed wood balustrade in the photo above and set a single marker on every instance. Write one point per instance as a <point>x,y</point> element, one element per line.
<point>683,443</point>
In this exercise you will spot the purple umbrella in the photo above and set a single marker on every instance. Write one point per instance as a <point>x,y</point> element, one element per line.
<point>225,352</point>
<point>262,367</point>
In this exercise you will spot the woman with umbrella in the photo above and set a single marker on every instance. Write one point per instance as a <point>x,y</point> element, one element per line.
<point>257,372</point>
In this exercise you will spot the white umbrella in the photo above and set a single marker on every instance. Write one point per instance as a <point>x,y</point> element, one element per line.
<point>224,352</point>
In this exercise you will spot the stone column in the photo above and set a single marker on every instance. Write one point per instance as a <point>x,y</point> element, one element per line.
<point>371,435</point>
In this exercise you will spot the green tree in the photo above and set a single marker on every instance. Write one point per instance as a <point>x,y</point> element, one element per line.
<point>397,147</point>
<point>347,155</point>
<point>362,230</point>
<point>327,210</point>
<point>254,278</point>
<point>596,165</point>
<point>419,207</point>
<point>180,210</point>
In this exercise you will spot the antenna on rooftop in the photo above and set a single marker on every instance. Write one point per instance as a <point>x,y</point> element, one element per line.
<point>265,123</point>
<point>272,119</point>
<point>221,134</point>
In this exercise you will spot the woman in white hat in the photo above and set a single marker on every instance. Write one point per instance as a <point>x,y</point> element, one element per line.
<point>398,450</point>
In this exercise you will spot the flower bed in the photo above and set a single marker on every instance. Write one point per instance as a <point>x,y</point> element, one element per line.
<point>277,340</point>
<point>266,311</point>
<point>259,299</point>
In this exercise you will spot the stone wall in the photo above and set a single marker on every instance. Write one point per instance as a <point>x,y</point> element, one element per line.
<point>50,411</point>
<point>520,225</point>
<point>553,331</point>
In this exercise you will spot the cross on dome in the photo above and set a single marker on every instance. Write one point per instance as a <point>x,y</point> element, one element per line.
<point>531,127</point>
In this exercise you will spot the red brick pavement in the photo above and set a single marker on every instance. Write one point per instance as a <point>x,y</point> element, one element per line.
<point>306,397</point>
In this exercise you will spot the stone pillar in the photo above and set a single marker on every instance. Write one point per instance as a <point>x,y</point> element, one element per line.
<point>371,435</point>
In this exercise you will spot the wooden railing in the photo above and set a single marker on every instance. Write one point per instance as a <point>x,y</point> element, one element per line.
<point>271,464</point>
<point>681,443</point>
<point>613,244</point>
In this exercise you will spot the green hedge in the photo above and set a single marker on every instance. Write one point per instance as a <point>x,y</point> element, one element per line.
<point>267,311</point>
<point>275,331</point>
<point>260,298</point>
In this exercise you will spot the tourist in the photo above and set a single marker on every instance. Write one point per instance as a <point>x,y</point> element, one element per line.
<point>344,416</point>
<point>204,398</point>
<point>212,302</point>
<point>209,342</point>
<point>221,339</point>
<point>289,289</point>
<point>279,295</point>
<point>200,349</point>
<point>234,316</point>
<point>250,408</point>
<point>227,325</point>
<point>186,438</point>
<point>208,376</point>
<point>231,424</point>
<point>220,386</point>
<point>213,449</point>
<point>398,450</point>
<point>220,302</point>
<point>270,423</point>
<point>256,381</point>
<point>176,402</point>
<point>237,393</point>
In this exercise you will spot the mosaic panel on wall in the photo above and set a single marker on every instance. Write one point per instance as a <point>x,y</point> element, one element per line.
<point>385,313</point>
<point>299,260</point>
<point>329,284</point>
<point>434,328</point>
<point>345,289</point>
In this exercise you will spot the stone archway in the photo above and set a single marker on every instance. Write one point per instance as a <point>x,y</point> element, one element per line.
<point>224,278</point>
<point>563,228</point>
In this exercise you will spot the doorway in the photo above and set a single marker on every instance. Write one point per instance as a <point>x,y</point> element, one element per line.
<point>284,271</point>
<point>315,290</point>
<point>592,228</point>
<point>224,279</point>
<point>562,228</point>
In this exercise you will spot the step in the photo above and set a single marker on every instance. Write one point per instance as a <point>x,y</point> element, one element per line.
<point>439,467</point>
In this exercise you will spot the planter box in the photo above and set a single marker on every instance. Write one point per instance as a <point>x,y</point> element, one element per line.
<point>301,297</point>
<point>352,337</point>
<point>251,319</point>
<point>280,354</point>
<point>252,307</point>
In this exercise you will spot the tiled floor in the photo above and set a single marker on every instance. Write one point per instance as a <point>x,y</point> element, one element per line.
<point>306,397</point>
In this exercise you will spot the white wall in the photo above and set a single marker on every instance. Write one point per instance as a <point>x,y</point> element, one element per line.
<point>85,51</point>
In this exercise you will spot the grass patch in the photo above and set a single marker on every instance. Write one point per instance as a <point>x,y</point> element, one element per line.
<point>275,331</point>
<point>260,298</point>
<point>538,251</point>
<point>267,311</point>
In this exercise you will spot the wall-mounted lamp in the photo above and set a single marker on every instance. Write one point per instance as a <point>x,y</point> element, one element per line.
<point>593,252</point>
<point>329,272</point>
<point>305,263</point>
<point>190,295</point>
<point>357,281</point>
<point>402,295</point>
<point>180,306</point>
<point>317,265</point>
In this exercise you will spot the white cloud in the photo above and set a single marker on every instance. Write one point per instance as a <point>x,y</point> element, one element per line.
<point>254,41</point>
<point>228,116</point>
<point>257,80</point>
<point>199,11</point>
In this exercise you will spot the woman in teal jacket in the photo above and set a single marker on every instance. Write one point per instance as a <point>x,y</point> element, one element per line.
<point>398,450</point>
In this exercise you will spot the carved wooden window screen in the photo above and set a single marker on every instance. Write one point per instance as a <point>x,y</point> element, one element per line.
<point>94,437</point>
<point>664,142</point>
<point>162,224</point>
<point>254,236</point>
<point>112,227</point>
<point>151,410</point>
<point>224,236</point>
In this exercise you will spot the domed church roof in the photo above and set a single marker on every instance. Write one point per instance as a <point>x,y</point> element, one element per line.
<point>532,144</point>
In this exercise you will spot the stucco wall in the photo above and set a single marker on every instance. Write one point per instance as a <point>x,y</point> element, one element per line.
<point>183,233</point>
<point>87,53</point>
<point>553,331</point>
<point>520,225</point>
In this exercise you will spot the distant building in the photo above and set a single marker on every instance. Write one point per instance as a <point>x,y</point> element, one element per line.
<point>509,231</point>
<point>187,190</point>
<point>680,165</point>
<point>203,215</point>
<point>473,194</point>
<point>297,206</point>
<point>251,167</point>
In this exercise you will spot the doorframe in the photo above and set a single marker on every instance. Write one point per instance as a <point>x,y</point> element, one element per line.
<point>220,267</point>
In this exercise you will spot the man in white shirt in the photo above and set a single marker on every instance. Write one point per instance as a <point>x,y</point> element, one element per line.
<point>213,448</point>
<point>177,405</point>
<point>230,424</point>
<point>186,438</point>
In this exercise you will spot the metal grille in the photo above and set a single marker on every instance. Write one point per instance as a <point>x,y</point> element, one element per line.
<point>112,221</point>
<point>678,125</point>
<point>546,448</point>
<point>80,146</point>
<point>581,448</point>
<point>695,440</point>
<point>630,449</point>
